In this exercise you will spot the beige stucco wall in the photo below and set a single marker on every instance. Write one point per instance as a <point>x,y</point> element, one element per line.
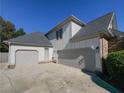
<point>40,50</point>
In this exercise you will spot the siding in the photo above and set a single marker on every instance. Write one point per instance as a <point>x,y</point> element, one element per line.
<point>91,43</point>
<point>69,30</point>
<point>61,43</point>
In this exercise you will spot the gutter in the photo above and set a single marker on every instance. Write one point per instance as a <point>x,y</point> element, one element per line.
<point>24,44</point>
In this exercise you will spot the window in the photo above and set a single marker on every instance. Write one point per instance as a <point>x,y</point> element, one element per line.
<point>59,34</point>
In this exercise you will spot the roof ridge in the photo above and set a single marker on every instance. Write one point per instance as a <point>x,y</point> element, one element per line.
<point>37,32</point>
<point>73,16</point>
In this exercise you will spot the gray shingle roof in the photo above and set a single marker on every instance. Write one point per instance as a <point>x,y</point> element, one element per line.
<point>96,26</point>
<point>33,39</point>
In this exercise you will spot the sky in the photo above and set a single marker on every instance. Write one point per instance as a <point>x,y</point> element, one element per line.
<point>43,15</point>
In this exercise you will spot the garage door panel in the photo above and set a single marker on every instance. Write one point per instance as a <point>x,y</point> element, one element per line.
<point>83,58</point>
<point>70,62</point>
<point>26,57</point>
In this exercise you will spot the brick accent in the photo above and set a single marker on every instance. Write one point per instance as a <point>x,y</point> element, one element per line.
<point>104,47</point>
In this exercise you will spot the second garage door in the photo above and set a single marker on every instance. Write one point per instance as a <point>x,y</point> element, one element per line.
<point>83,58</point>
<point>26,57</point>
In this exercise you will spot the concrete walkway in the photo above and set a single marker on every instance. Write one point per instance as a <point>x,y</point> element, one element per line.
<point>47,78</point>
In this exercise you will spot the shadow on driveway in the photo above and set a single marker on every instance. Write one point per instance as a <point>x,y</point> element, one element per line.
<point>101,82</point>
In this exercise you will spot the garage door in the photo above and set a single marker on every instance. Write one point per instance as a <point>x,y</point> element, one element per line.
<point>26,57</point>
<point>83,58</point>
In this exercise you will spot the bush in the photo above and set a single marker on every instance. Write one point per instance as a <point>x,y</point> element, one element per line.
<point>114,66</point>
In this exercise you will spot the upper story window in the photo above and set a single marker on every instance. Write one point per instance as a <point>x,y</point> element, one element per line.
<point>59,34</point>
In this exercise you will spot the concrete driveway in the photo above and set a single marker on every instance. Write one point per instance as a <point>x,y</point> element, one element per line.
<point>47,78</point>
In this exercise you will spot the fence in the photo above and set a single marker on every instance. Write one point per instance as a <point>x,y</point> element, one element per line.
<point>3,57</point>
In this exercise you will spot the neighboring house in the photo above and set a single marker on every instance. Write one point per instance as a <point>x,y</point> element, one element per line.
<point>74,42</point>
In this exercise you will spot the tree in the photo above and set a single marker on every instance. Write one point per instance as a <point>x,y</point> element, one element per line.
<point>116,44</point>
<point>8,31</point>
<point>19,32</point>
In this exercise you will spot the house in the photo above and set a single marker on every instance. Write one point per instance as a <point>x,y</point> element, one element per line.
<point>72,42</point>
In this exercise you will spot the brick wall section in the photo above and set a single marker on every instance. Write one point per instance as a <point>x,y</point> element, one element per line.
<point>104,47</point>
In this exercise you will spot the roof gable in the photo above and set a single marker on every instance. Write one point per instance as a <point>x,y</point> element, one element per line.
<point>67,20</point>
<point>94,27</point>
<point>114,22</point>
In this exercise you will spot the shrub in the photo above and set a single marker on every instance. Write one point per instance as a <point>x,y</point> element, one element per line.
<point>114,69</point>
<point>115,65</point>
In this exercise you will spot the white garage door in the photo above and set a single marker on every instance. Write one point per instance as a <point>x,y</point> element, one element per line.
<point>26,57</point>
